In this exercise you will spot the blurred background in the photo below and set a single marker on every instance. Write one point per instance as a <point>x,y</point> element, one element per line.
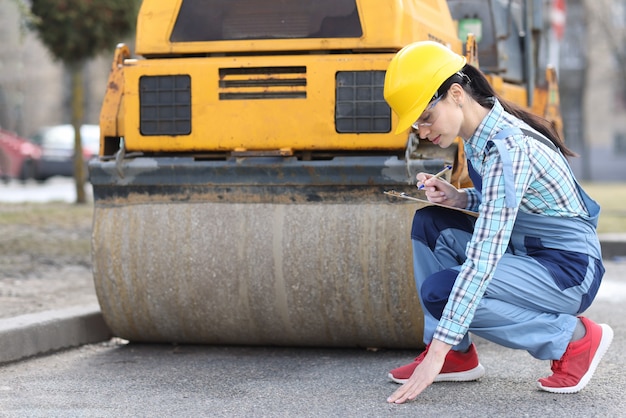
<point>35,89</point>
<point>53,74</point>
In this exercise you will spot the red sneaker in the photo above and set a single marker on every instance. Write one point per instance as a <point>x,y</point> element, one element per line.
<point>574,370</point>
<point>458,367</point>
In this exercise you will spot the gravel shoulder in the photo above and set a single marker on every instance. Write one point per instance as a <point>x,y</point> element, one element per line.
<point>45,257</point>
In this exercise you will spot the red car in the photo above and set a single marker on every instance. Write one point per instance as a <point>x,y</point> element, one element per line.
<point>18,157</point>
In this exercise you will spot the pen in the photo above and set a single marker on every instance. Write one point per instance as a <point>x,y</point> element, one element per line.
<point>439,174</point>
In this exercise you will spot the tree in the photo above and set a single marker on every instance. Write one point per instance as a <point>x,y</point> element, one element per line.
<point>75,31</point>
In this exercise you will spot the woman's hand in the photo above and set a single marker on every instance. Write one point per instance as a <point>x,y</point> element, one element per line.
<point>424,374</point>
<point>440,191</point>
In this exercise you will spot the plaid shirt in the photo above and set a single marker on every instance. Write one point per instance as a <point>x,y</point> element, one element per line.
<point>544,185</point>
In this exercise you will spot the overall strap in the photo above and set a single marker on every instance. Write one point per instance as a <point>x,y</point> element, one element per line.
<point>507,165</point>
<point>509,179</point>
<point>545,141</point>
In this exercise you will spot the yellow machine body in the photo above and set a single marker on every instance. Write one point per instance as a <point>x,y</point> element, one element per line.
<point>245,151</point>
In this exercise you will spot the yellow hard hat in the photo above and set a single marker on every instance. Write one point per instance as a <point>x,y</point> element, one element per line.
<point>413,77</point>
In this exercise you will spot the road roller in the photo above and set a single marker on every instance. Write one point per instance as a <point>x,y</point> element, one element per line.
<point>246,148</point>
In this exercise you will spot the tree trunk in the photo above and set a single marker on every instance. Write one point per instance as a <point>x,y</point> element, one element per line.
<point>76,71</point>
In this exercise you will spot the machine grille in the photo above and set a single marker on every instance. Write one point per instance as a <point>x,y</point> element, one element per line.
<point>359,104</point>
<point>262,83</point>
<point>165,105</point>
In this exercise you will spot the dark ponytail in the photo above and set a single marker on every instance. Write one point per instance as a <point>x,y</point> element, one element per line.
<point>475,83</point>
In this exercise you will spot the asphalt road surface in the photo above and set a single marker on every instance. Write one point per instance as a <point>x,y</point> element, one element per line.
<point>121,379</point>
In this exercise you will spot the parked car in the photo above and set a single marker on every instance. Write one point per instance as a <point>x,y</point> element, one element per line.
<point>57,146</point>
<point>18,157</point>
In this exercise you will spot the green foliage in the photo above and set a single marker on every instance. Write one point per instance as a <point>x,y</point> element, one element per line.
<point>28,20</point>
<point>75,30</point>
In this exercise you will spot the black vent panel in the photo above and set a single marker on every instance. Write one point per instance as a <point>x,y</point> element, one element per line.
<point>255,83</point>
<point>359,103</point>
<point>165,105</point>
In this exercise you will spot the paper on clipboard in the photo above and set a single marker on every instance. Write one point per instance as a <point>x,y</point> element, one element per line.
<point>427,202</point>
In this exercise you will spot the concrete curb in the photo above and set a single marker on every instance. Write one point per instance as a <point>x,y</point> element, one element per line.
<point>33,334</point>
<point>613,246</point>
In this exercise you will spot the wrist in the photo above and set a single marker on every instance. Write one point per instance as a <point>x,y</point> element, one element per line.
<point>439,349</point>
<point>462,199</point>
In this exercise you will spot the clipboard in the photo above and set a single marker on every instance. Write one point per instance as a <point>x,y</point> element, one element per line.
<point>427,202</point>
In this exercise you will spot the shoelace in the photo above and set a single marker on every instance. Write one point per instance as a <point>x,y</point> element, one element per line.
<point>560,365</point>
<point>422,354</point>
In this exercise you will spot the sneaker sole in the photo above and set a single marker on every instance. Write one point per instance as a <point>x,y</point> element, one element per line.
<point>605,342</point>
<point>466,376</point>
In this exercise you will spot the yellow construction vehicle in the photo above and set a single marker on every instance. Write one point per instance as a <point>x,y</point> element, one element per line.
<point>245,151</point>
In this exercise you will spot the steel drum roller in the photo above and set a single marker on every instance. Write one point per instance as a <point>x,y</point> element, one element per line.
<point>260,274</point>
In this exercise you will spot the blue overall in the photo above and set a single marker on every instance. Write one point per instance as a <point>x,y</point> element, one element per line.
<point>550,272</point>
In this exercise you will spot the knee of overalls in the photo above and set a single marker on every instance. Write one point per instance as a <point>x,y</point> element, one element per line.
<point>428,223</point>
<point>436,290</point>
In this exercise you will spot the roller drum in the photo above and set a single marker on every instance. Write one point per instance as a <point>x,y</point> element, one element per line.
<point>256,251</point>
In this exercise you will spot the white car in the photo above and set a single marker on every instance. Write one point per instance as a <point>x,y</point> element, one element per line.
<point>57,146</point>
